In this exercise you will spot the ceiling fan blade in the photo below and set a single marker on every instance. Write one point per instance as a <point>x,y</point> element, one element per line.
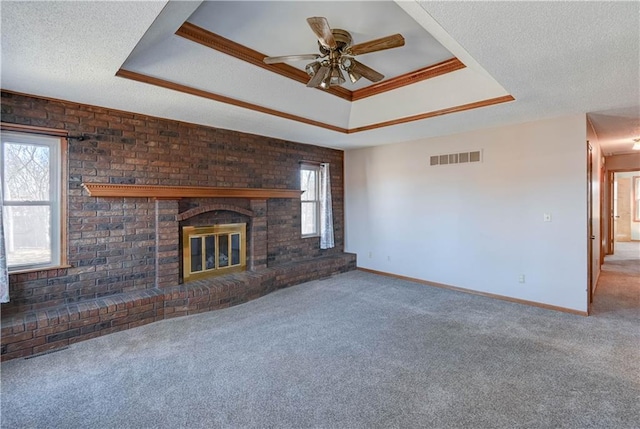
<point>366,72</point>
<point>320,26</point>
<point>318,77</point>
<point>381,44</point>
<point>274,60</point>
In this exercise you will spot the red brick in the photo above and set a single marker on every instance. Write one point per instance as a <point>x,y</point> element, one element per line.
<point>14,338</point>
<point>50,330</point>
<point>17,354</point>
<point>28,344</point>
<point>84,337</point>
<point>50,346</point>
<point>84,322</point>
<point>113,315</point>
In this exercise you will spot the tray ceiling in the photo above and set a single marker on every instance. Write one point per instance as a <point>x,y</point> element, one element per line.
<point>239,34</point>
<point>559,58</point>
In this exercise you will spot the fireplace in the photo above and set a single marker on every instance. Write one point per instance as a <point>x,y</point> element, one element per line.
<point>213,250</point>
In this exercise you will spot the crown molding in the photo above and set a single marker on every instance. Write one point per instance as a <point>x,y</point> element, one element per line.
<point>410,78</point>
<point>434,113</point>
<point>228,100</point>
<point>223,99</point>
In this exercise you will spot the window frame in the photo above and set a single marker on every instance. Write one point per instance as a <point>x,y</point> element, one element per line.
<point>316,169</point>
<point>636,198</point>
<point>57,193</point>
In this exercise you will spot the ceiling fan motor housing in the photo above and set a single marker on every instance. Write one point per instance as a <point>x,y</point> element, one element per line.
<point>343,41</point>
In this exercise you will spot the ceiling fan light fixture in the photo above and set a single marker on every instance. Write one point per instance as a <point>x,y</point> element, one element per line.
<point>353,76</point>
<point>337,78</point>
<point>312,68</point>
<point>636,144</point>
<point>348,66</point>
<point>326,80</point>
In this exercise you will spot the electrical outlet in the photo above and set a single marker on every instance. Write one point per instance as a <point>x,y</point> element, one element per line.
<point>521,278</point>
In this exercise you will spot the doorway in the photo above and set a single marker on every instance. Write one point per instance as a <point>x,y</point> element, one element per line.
<point>625,211</point>
<point>619,282</point>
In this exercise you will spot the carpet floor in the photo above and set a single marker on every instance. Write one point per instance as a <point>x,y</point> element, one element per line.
<point>353,351</point>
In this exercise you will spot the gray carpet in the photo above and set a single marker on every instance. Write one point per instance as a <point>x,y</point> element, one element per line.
<point>353,351</point>
<point>626,259</point>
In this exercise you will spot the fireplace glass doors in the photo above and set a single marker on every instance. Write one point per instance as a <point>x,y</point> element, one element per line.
<point>213,250</point>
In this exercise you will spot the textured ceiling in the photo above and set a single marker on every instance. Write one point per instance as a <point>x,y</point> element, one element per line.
<point>554,58</point>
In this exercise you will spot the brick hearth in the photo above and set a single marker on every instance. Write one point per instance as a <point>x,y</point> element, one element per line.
<point>38,331</point>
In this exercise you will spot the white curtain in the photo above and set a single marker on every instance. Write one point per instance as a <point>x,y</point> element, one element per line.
<point>326,209</point>
<point>4,274</point>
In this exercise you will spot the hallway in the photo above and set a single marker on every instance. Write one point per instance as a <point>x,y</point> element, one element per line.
<point>619,283</point>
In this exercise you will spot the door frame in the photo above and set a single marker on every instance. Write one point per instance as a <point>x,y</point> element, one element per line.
<point>590,236</point>
<point>603,239</point>
<point>610,245</point>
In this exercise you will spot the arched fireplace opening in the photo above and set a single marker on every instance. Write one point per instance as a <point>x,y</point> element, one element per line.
<point>214,239</point>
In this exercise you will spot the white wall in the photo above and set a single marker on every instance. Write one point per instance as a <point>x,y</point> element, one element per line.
<point>477,226</point>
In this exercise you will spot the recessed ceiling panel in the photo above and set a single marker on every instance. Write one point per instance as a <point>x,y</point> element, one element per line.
<point>183,62</point>
<point>455,89</point>
<point>277,28</point>
<point>191,60</point>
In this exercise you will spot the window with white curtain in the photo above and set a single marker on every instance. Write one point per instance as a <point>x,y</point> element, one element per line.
<point>32,196</point>
<point>636,198</point>
<point>310,199</point>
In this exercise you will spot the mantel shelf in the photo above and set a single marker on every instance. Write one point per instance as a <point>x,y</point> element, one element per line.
<point>177,192</point>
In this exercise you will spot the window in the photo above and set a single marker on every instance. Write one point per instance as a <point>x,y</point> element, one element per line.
<point>636,198</point>
<point>32,200</point>
<point>310,199</point>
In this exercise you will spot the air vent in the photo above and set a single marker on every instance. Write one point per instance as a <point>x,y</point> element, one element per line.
<point>456,158</point>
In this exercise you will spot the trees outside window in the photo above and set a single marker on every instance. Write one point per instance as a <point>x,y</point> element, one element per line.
<point>310,200</point>
<point>30,169</point>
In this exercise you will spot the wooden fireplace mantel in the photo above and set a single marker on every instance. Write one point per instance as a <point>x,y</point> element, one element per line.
<point>177,192</point>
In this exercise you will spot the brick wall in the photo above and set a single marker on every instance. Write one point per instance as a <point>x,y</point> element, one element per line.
<point>113,242</point>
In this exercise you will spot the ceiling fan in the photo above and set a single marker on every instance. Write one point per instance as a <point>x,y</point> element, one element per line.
<point>337,54</point>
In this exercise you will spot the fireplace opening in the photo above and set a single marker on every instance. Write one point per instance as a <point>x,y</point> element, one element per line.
<point>213,250</point>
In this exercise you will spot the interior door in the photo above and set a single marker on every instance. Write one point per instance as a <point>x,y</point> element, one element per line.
<point>622,212</point>
<point>611,203</point>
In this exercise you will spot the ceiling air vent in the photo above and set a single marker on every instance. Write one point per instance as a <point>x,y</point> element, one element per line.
<point>456,158</point>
